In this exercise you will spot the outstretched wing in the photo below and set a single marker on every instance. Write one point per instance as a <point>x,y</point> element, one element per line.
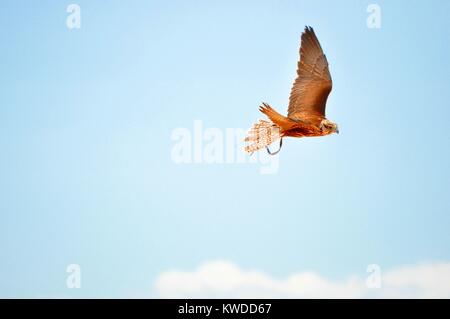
<point>313,84</point>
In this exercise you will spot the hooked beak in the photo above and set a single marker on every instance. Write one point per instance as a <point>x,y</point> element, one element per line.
<point>337,131</point>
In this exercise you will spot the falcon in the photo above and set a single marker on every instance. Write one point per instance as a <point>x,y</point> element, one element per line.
<point>306,111</point>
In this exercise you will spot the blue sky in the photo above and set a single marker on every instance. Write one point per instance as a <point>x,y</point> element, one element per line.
<point>86,117</point>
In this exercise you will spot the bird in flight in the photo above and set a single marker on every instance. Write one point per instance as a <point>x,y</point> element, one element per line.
<point>306,111</point>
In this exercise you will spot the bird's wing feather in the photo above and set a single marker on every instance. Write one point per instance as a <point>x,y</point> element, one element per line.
<point>313,84</point>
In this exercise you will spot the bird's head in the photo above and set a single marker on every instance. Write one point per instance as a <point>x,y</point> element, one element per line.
<point>328,127</point>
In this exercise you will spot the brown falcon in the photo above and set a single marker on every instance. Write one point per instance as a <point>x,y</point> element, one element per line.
<point>306,111</point>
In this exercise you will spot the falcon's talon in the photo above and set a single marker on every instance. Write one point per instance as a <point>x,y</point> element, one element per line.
<point>275,153</point>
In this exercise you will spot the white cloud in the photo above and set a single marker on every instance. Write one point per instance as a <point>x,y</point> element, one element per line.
<point>223,279</point>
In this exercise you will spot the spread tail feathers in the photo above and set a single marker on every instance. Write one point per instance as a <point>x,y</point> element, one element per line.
<point>261,135</point>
